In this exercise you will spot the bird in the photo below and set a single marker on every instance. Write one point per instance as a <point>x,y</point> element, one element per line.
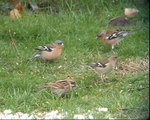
<point>130,12</point>
<point>119,21</point>
<point>60,87</point>
<point>49,52</point>
<point>104,66</point>
<point>113,37</point>
<point>32,6</point>
<point>125,19</point>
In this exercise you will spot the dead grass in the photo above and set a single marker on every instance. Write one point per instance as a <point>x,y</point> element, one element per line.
<point>132,65</point>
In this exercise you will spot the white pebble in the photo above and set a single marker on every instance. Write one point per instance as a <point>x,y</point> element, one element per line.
<point>24,116</point>
<point>102,109</point>
<point>19,114</point>
<point>10,116</point>
<point>78,116</point>
<point>38,115</point>
<point>110,118</point>
<point>7,111</point>
<point>1,115</point>
<point>31,117</point>
<point>51,115</point>
<point>91,116</point>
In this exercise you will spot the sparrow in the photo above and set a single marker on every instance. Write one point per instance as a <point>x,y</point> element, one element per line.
<point>113,37</point>
<point>104,66</point>
<point>49,52</point>
<point>60,87</point>
<point>130,12</point>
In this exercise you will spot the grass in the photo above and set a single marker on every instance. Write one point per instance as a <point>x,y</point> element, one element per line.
<point>19,77</point>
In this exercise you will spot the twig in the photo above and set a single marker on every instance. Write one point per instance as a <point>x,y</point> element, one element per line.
<point>13,42</point>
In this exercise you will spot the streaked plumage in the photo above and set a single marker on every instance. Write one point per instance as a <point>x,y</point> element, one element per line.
<point>61,87</point>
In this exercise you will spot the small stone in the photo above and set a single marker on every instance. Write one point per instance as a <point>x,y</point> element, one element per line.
<point>91,116</point>
<point>7,111</point>
<point>102,109</point>
<point>79,116</point>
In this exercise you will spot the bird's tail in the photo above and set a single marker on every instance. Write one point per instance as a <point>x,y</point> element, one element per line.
<point>34,56</point>
<point>41,87</point>
<point>123,33</point>
<point>134,31</point>
<point>91,66</point>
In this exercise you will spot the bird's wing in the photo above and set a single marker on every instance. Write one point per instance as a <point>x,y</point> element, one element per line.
<point>97,64</point>
<point>48,48</point>
<point>117,34</point>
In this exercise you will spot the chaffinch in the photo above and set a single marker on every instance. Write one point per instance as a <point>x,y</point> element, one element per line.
<point>49,52</point>
<point>32,6</point>
<point>60,87</point>
<point>104,66</point>
<point>113,37</point>
<point>119,21</point>
<point>130,12</point>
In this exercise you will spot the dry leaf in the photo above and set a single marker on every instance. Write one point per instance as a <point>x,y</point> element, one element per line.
<point>130,12</point>
<point>19,7</point>
<point>13,41</point>
<point>85,97</point>
<point>14,14</point>
<point>133,66</point>
<point>13,1</point>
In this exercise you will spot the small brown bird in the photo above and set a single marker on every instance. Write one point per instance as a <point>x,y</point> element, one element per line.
<point>119,21</point>
<point>32,6</point>
<point>60,87</point>
<point>113,37</point>
<point>104,66</point>
<point>130,12</point>
<point>49,52</point>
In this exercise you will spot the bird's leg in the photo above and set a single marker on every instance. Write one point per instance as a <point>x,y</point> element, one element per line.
<point>46,61</point>
<point>105,78</point>
<point>102,78</point>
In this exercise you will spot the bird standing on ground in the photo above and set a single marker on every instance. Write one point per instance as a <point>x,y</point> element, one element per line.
<point>60,87</point>
<point>49,52</point>
<point>113,37</point>
<point>119,21</point>
<point>124,20</point>
<point>104,66</point>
